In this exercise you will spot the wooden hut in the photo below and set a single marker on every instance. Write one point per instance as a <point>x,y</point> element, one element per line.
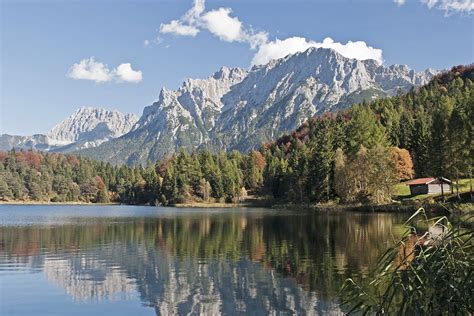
<point>429,186</point>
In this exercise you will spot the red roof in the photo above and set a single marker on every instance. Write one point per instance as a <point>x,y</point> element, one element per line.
<point>419,181</point>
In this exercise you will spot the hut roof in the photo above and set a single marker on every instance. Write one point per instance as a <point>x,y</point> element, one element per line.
<point>426,181</point>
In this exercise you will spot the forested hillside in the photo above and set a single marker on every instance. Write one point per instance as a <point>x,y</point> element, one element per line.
<point>352,155</point>
<point>347,154</point>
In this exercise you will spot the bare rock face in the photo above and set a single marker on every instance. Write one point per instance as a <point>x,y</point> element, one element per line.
<point>87,127</point>
<point>239,109</point>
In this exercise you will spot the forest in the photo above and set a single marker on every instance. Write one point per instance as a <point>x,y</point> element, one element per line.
<point>353,155</point>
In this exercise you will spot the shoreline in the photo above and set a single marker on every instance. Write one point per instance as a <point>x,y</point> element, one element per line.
<point>366,208</point>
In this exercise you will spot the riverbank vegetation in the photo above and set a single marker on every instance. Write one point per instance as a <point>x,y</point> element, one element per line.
<point>428,273</point>
<point>356,155</point>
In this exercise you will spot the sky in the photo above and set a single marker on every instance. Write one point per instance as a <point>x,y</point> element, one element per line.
<point>57,56</point>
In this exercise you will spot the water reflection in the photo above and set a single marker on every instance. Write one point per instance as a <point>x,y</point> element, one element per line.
<point>204,263</point>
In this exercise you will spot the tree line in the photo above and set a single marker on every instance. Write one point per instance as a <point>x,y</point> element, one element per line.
<point>351,155</point>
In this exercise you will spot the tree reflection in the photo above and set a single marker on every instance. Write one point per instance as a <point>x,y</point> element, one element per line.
<point>209,262</point>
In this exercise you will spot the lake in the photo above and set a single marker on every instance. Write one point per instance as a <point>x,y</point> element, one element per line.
<point>133,260</point>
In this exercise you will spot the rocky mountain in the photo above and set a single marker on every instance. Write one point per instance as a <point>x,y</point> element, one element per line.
<point>87,127</point>
<point>239,109</point>
<point>37,142</point>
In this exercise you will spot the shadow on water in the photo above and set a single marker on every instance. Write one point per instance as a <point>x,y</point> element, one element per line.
<point>202,262</point>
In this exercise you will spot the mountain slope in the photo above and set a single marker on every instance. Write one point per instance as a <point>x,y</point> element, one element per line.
<point>87,127</point>
<point>239,109</point>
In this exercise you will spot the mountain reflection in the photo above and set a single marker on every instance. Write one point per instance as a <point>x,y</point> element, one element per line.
<point>205,264</point>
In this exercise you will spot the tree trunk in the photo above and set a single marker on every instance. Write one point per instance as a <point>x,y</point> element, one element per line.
<point>470,183</point>
<point>442,188</point>
<point>457,184</point>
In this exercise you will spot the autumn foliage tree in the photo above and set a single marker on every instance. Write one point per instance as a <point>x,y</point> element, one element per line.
<point>403,163</point>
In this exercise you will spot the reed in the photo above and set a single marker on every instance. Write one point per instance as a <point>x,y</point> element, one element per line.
<point>424,273</point>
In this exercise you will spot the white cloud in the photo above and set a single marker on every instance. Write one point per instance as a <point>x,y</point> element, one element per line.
<point>449,6</point>
<point>157,41</point>
<point>177,28</point>
<point>187,24</point>
<point>221,24</point>
<point>218,22</point>
<point>90,69</point>
<point>462,6</point>
<point>281,48</point>
<point>124,72</point>
<point>429,3</point>
<point>193,14</point>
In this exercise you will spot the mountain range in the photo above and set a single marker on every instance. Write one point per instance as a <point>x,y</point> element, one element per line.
<point>234,108</point>
<point>85,128</point>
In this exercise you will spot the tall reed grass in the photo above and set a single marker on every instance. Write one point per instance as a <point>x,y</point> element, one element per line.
<point>429,271</point>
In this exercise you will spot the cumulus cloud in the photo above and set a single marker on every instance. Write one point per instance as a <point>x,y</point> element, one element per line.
<point>449,6</point>
<point>124,72</point>
<point>218,22</point>
<point>223,25</point>
<point>90,69</point>
<point>280,48</point>
<point>187,25</point>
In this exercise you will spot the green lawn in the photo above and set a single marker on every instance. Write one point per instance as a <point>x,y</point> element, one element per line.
<point>401,191</point>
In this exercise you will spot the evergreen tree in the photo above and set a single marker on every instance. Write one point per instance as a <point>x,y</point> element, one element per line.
<point>364,130</point>
<point>421,143</point>
<point>439,153</point>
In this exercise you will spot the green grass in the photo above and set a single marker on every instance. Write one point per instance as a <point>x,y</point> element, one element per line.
<point>401,191</point>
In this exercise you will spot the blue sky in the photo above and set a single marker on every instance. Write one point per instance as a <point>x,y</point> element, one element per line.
<point>41,41</point>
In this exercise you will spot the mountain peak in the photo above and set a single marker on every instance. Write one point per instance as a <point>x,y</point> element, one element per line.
<point>239,109</point>
<point>229,73</point>
<point>85,120</point>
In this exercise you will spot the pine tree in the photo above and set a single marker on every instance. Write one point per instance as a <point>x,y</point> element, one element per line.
<point>5,192</point>
<point>364,130</point>
<point>421,143</point>
<point>458,145</point>
<point>405,131</point>
<point>322,162</point>
<point>439,138</point>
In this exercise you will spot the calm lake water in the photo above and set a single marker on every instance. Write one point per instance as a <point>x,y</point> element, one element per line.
<point>131,260</point>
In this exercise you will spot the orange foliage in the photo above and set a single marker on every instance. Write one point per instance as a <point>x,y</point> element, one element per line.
<point>73,161</point>
<point>403,163</point>
<point>99,183</point>
<point>33,159</point>
<point>260,161</point>
<point>3,156</point>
